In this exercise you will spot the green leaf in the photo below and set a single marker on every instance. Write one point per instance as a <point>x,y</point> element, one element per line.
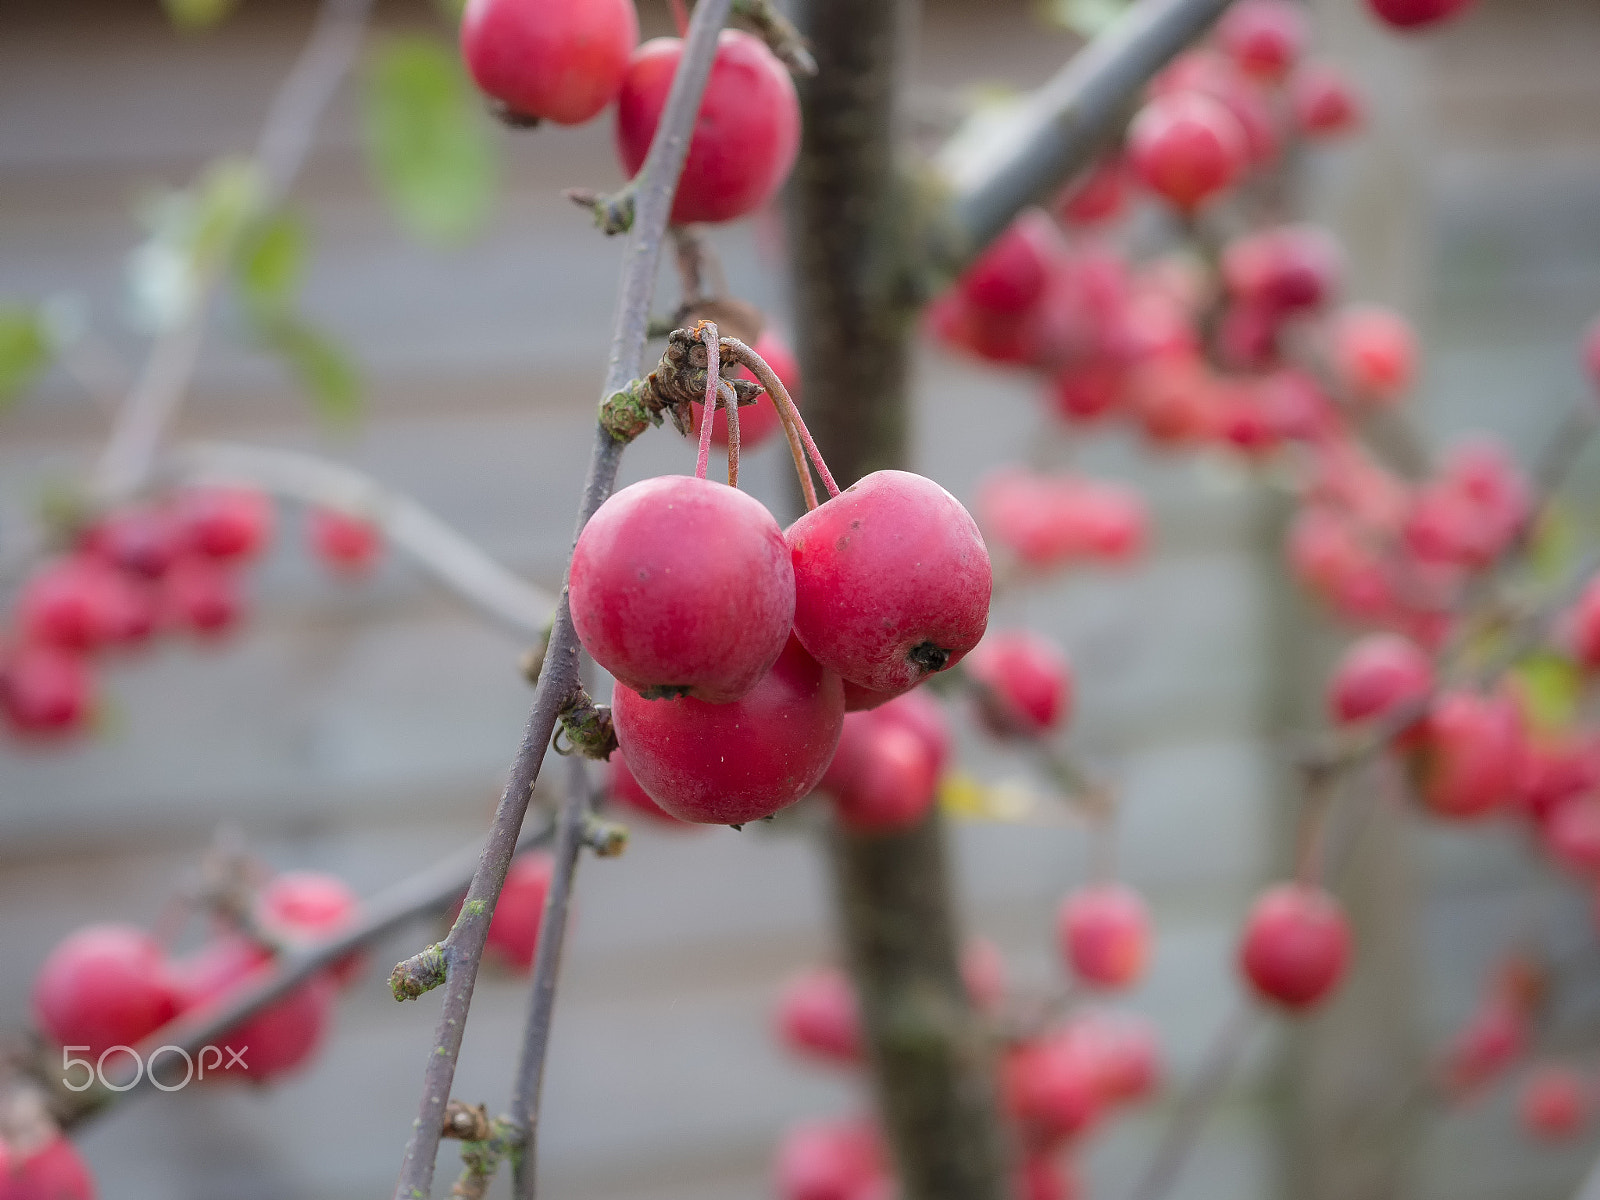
<point>1554,545</point>
<point>270,263</point>
<point>25,349</point>
<point>191,15</point>
<point>321,367</point>
<point>1551,688</point>
<point>1086,18</point>
<point>225,200</point>
<point>428,140</point>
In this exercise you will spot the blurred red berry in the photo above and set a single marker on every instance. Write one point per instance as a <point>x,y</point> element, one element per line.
<point>1325,102</point>
<point>1104,934</point>
<point>555,60</point>
<point>104,986</point>
<point>1374,354</point>
<point>1097,196</point>
<point>818,1017</point>
<point>345,543</point>
<point>1187,148</point>
<point>1554,1104</point>
<point>1295,945</point>
<point>1051,1088</point>
<point>829,1160</point>
<point>53,1171</point>
<point>71,603</point>
<point>203,597</point>
<point>1416,14</point>
<point>1024,683</point>
<point>1468,754</point>
<point>514,928</point>
<point>1377,674</point>
<point>1264,38</point>
<point>45,692</point>
<point>230,524</point>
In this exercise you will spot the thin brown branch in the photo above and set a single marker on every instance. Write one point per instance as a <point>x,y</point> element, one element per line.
<point>559,679</point>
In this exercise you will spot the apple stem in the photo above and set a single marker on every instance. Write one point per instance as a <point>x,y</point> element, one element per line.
<point>707,333</point>
<point>731,403</point>
<point>801,443</point>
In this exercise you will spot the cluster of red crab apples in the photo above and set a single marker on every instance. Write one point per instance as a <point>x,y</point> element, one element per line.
<point>738,646</point>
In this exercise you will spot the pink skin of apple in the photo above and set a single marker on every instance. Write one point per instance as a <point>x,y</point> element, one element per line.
<point>1485,1048</point>
<point>1468,754</point>
<point>1325,103</point>
<point>892,581</point>
<point>830,1160</point>
<point>309,906</point>
<point>818,1019</point>
<point>1098,196</point>
<point>1264,38</point>
<point>1295,946</point>
<point>1416,14</point>
<point>1187,148</point>
<point>682,587</point>
<point>1290,268</point>
<point>725,764</point>
<point>275,1042</point>
<point>1010,275</point>
<point>514,928</point>
<point>344,543</point>
<point>983,971</point>
<point>1374,354</point>
<point>45,693</point>
<point>893,783</point>
<point>1554,771</point>
<point>202,596</point>
<point>758,421</point>
<point>230,524</point>
<point>53,1171</point>
<point>553,60</point>
<point>142,541</point>
<point>1104,935</point>
<point>622,788</point>
<point>104,986</point>
<point>1572,835</point>
<point>1377,674</point>
<point>745,139</point>
<point>1050,1088</point>
<point>1554,1104</point>
<point>1584,626</point>
<point>71,604</point>
<point>1025,686</point>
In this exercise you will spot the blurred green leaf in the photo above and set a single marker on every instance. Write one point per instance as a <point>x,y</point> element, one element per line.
<point>1554,545</point>
<point>1086,18</point>
<point>1551,688</point>
<point>25,349</point>
<point>191,15</point>
<point>321,367</point>
<point>225,199</point>
<point>270,263</point>
<point>428,139</point>
<point>451,8</point>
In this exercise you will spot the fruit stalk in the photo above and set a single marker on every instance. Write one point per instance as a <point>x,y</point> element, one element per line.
<point>559,680</point>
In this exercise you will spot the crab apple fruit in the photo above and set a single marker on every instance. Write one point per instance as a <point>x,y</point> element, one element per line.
<point>1127,1056</point>
<point>1374,354</point>
<point>745,138</point>
<point>1010,275</point>
<point>71,603</point>
<point>44,691</point>
<point>52,1172</point>
<point>1415,14</point>
<point>818,1017</point>
<point>1099,195</point>
<point>892,581</point>
<point>554,60</point>
<point>1290,268</point>
<point>278,1039</point>
<point>1554,771</point>
<point>1050,1088</point>
<point>983,972</point>
<point>1264,38</point>
<point>1104,932</point>
<point>228,523</point>
<point>1187,148</point>
<point>924,716</point>
<point>309,906</point>
<point>1377,674</point>
<point>1584,625</point>
<point>1041,1178</point>
<point>1572,834</point>
<point>1295,944</point>
<point>622,788</point>
<point>1324,101</point>
<point>725,764</point>
<point>1493,1039</point>
<point>103,986</point>
<point>203,596</point>
<point>1468,754</point>
<point>345,543</point>
<point>682,587</point>
<point>829,1160</point>
<point>1554,1104</point>
<point>894,783</point>
<point>514,927</point>
<point>758,421</point>
<point>142,541</point>
<point>1025,683</point>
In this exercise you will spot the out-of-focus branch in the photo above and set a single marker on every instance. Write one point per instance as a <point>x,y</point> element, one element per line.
<point>286,136</point>
<point>559,679</point>
<point>451,558</point>
<point>1061,125</point>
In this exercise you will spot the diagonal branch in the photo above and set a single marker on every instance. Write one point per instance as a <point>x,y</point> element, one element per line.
<point>559,680</point>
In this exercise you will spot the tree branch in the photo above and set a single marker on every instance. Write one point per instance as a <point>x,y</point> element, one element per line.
<point>559,678</point>
<point>451,558</point>
<point>286,136</point>
<point>1060,126</point>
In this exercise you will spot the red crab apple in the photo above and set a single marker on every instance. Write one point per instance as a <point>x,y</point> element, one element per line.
<point>1469,752</point>
<point>71,603</point>
<point>1584,625</point>
<point>1041,1178</point>
<point>1374,354</point>
<point>1572,834</point>
<point>345,543</point>
<point>202,596</point>
<point>892,783</point>
<point>622,788</point>
<point>829,1160</point>
<point>514,927</point>
<point>1098,195</point>
<point>104,986</point>
<point>1288,268</point>
<point>1554,1104</point>
<point>1264,38</point>
<point>892,581</point>
<point>1295,944</point>
<point>554,60</point>
<point>725,764</point>
<point>1494,1038</point>
<point>1415,14</point>
<point>227,523</point>
<point>1378,673</point>
<point>52,1172</point>
<point>309,906</point>
<point>1025,683</point>
<point>682,587</point>
<point>141,540</point>
<point>1051,1088</point>
<point>1010,275</point>
<point>745,138</point>
<point>1104,932</point>
<point>758,421</point>
<point>45,692</point>
<point>278,1039</point>
<point>1187,148</point>
<point>1324,101</point>
<point>818,1018</point>
<point>983,971</point>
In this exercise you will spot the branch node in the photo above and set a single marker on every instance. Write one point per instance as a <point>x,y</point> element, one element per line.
<point>781,37</point>
<point>676,384</point>
<point>466,1122</point>
<point>608,839</point>
<point>612,211</point>
<point>588,728</point>
<point>420,973</point>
